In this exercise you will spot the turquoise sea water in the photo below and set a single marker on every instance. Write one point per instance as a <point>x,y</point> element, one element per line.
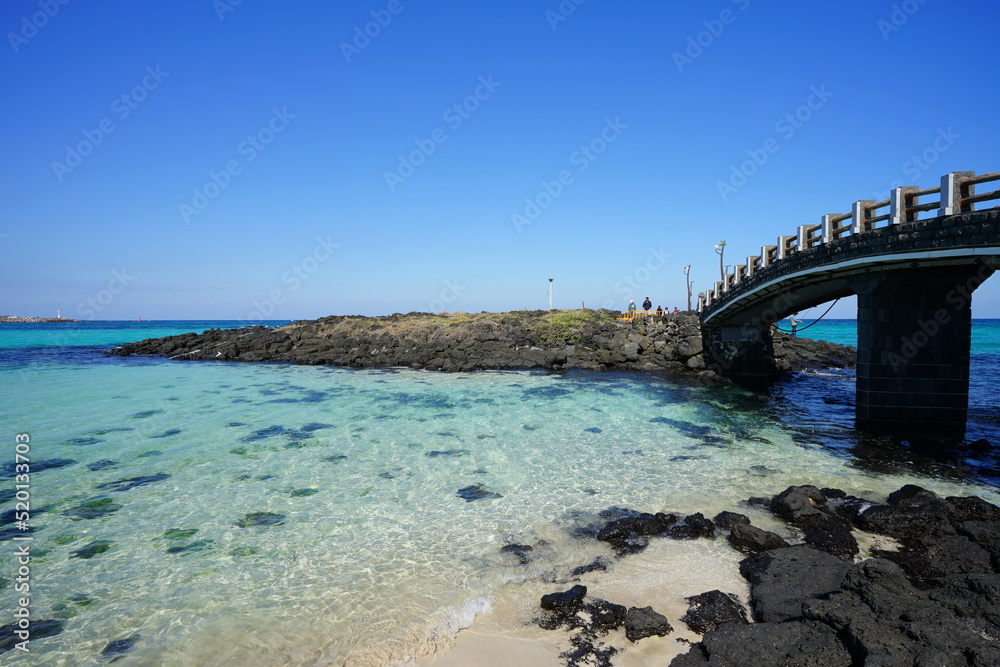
<point>366,553</point>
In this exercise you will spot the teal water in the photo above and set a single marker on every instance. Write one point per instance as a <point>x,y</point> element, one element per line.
<point>985,333</point>
<point>374,558</point>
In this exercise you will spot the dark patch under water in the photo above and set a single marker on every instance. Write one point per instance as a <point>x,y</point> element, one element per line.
<point>134,482</point>
<point>199,545</point>
<point>476,492</point>
<point>315,426</point>
<point>546,392</point>
<point>85,440</point>
<point>179,533</point>
<point>687,428</point>
<point>119,647</point>
<point>261,519</point>
<point>93,508</point>
<point>92,549</point>
<point>36,630</point>
<point>447,452</point>
<point>168,433</point>
<point>103,464</point>
<point>10,468</point>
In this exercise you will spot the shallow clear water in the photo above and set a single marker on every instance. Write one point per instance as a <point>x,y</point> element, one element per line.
<point>376,554</point>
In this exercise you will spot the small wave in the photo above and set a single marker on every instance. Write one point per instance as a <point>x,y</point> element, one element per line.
<point>409,649</point>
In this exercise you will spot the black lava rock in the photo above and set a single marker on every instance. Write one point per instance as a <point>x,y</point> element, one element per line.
<point>644,622</point>
<point>750,539</point>
<point>565,600</point>
<point>599,564</point>
<point>713,609</point>
<point>769,645</point>
<point>726,520</point>
<point>781,579</point>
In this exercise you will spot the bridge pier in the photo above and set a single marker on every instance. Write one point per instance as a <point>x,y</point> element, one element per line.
<point>743,353</point>
<point>914,340</point>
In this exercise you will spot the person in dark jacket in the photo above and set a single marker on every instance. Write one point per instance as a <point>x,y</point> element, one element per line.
<point>647,304</point>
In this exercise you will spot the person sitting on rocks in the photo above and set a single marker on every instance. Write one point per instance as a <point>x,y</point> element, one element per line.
<point>647,304</point>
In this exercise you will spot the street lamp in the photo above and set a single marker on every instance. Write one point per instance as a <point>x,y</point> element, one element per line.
<point>550,292</point>
<point>720,248</point>
<point>687,279</point>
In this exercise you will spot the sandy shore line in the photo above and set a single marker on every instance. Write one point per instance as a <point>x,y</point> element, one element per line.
<point>659,577</point>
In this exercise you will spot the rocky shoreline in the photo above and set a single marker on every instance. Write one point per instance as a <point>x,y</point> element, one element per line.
<point>933,599</point>
<point>553,340</point>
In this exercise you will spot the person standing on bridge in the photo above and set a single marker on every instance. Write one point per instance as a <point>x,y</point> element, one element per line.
<point>631,305</point>
<point>647,304</point>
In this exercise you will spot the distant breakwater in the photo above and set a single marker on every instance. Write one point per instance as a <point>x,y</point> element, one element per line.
<point>13,319</point>
<point>553,340</point>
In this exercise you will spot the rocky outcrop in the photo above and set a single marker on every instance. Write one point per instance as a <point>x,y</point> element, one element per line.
<point>935,601</point>
<point>556,340</point>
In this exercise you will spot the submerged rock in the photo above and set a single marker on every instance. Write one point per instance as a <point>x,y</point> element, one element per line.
<point>134,482</point>
<point>476,492</point>
<point>119,647</point>
<point>302,493</point>
<point>261,519</point>
<point>599,564</point>
<point>36,629</point>
<point>102,464</point>
<point>92,549</point>
<point>10,468</point>
<point>179,533</point>
<point>629,534</point>
<point>199,545</point>
<point>521,551</point>
<point>448,452</point>
<point>93,509</point>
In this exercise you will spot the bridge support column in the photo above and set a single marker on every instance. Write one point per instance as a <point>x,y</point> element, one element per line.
<point>914,338</point>
<point>742,353</point>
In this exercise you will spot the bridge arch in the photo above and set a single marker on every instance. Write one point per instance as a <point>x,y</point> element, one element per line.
<point>914,280</point>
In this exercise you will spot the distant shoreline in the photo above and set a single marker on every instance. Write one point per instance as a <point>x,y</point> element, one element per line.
<point>10,319</point>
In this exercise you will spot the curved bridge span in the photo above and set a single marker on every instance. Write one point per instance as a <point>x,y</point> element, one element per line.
<point>914,279</point>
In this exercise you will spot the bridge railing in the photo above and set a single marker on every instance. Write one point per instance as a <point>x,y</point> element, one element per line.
<point>955,195</point>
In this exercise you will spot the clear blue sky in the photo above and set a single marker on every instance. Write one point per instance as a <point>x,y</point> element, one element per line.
<point>117,115</point>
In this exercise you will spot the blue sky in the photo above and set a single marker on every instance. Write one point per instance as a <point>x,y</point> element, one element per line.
<point>239,160</point>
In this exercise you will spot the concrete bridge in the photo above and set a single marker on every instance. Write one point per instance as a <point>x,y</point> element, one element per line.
<point>914,280</point>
